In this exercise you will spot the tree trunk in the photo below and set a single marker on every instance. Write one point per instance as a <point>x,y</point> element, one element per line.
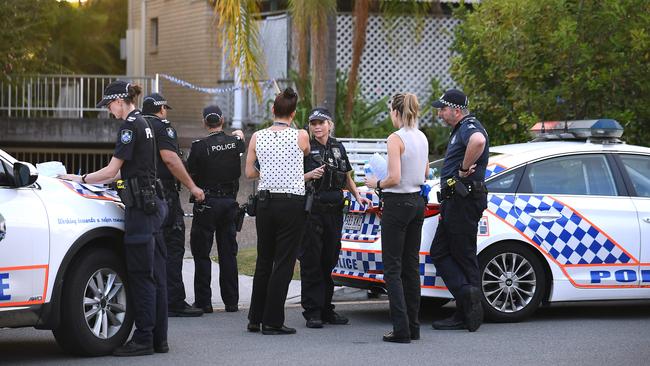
<point>361,11</point>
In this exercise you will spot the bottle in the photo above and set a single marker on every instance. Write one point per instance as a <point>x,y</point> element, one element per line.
<point>367,169</point>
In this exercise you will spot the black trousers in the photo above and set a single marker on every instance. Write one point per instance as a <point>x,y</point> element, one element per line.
<point>146,254</point>
<point>318,256</point>
<point>280,226</point>
<point>215,218</point>
<point>453,250</point>
<point>174,232</point>
<point>401,232</point>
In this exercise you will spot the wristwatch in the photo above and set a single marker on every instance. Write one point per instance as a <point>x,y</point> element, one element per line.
<point>83,178</point>
<point>460,168</point>
<point>379,184</point>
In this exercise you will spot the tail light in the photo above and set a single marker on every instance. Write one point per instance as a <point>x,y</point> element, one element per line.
<point>431,209</point>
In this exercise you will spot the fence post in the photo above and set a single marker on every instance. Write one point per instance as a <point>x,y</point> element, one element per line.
<point>81,98</point>
<point>156,88</point>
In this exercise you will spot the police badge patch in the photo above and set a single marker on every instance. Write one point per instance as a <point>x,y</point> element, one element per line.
<point>171,133</point>
<point>126,136</point>
<point>336,152</point>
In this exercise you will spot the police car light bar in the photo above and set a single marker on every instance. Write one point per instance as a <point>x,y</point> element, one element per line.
<point>597,129</point>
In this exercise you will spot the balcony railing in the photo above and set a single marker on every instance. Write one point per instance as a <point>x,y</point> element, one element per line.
<point>61,96</point>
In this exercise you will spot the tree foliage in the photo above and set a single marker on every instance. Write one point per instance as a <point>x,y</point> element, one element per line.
<point>46,36</point>
<point>522,61</point>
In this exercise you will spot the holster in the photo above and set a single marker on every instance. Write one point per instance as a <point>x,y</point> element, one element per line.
<point>251,205</point>
<point>239,217</point>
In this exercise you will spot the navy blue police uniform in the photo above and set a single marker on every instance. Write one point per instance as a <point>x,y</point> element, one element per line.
<point>322,242</point>
<point>453,250</point>
<point>144,244</point>
<point>215,166</point>
<point>173,227</point>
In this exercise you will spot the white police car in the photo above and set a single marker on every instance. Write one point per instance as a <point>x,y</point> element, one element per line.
<point>568,219</point>
<point>61,265</point>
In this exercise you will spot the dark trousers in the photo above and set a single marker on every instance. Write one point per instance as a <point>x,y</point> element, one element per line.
<point>318,256</point>
<point>280,227</point>
<point>401,232</point>
<point>453,250</point>
<point>146,254</point>
<point>174,232</point>
<point>215,218</point>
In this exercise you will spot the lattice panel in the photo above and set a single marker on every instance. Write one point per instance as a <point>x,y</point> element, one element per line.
<point>398,60</point>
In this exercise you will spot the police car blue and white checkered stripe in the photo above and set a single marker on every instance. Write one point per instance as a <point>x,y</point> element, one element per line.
<point>493,169</point>
<point>372,261</point>
<point>569,239</point>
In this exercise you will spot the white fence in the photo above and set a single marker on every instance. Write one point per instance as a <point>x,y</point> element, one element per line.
<point>61,96</point>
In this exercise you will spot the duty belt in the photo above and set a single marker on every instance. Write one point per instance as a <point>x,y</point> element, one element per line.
<point>463,188</point>
<point>217,193</point>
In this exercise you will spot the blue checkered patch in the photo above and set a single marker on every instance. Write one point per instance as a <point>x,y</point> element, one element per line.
<point>493,169</point>
<point>357,264</point>
<point>570,239</point>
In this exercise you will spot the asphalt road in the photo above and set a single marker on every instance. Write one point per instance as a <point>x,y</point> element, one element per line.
<point>574,334</point>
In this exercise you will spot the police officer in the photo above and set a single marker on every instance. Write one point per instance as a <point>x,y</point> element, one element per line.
<point>464,198</point>
<point>134,159</point>
<point>169,168</point>
<point>327,171</point>
<point>215,165</point>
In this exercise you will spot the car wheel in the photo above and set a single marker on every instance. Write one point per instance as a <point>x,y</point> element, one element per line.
<point>513,282</point>
<point>96,317</point>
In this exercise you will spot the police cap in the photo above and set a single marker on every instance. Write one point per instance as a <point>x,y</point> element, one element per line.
<point>320,113</point>
<point>153,102</point>
<point>212,114</point>
<point>453,98</point>
<point>118,89</point>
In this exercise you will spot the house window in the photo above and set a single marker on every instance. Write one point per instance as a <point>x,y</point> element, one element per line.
<point>154,34</point>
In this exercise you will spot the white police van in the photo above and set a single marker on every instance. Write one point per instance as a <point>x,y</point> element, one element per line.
<point>61,260</point>
<point>568,219</point>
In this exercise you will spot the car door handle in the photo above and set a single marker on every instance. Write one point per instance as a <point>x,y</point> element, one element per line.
<point>647,219</point>
<point>545,216</point>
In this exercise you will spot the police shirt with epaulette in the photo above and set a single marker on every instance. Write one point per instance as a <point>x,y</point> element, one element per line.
<point>458,144</point>
<point>333,153</point>
<point>135,145</point>
<point>216,160</point>
<point>167,139</point>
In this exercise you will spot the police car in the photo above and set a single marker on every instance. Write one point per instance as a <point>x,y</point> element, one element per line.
<point>61,265</point>
<point>568,219</point>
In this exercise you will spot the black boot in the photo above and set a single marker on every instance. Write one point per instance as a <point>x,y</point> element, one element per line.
<point>131,348</point>
<point>185,310</point>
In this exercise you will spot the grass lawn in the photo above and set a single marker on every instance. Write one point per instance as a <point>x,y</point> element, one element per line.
<point>246,263</point>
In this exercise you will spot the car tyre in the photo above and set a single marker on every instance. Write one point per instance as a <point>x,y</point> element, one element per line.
<point>96,313</point>
<point>513,282</point>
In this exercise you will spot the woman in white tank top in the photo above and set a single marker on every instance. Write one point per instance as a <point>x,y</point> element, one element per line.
<point>280,151</point>
<point>403,215</point>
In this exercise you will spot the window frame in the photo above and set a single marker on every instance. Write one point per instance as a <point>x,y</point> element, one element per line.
<point>631,191</point>
<point>525,186</point>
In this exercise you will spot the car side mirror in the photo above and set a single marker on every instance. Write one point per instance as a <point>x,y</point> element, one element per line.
<point>25,174</point>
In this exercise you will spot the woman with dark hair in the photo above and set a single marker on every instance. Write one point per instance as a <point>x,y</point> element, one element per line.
<point>134,162</point>
<point>403,215</point>
<point>280,151</point>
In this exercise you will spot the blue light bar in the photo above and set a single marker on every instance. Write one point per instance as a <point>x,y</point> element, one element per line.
<point>582,129</point>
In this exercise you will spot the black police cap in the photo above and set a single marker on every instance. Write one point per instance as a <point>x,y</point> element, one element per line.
<point>212,113</point>
<point>453,98</point>
<point>118,89</point>
<point>320,113</point>
<point>152,103</point>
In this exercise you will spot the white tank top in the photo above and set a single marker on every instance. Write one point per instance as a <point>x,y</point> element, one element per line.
<point>281,161</point>
<point>413,160</point>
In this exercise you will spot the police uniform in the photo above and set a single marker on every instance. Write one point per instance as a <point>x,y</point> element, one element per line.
<point>215,165</point>
<point>174,225</point>
<point>453,250</point>
<point>144,244</point>
<point>322,242</point>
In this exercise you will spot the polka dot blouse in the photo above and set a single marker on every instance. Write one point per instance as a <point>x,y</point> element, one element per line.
<point>281,161</point>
